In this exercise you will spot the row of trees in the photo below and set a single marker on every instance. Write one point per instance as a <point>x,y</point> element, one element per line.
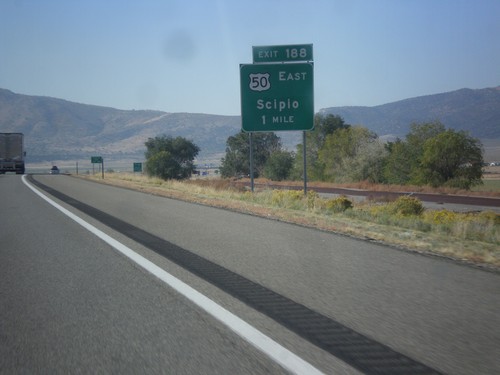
<point>337,152</point>
<point>433,155</point>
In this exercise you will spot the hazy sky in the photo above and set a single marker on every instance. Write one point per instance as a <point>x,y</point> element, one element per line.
<point>184,56</point>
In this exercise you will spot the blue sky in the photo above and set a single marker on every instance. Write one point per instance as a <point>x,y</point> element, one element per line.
<point>184,56</point>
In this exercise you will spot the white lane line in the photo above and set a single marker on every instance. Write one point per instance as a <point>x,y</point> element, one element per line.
<point>265,344</point>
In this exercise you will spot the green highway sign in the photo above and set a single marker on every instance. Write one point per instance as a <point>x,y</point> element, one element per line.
<point>96,159</point>
<point>277,97</point>
<point>137,167</point>
<point>290,53</point>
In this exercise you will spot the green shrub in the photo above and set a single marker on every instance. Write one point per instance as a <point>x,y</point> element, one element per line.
<point>407,206</point>
<point>339,204</point>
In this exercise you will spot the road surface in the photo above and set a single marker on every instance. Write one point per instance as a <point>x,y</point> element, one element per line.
<point>70,302</point>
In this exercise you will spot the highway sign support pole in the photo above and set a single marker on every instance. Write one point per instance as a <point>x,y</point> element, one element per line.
<point>304,159</point>
<point>251,163</point>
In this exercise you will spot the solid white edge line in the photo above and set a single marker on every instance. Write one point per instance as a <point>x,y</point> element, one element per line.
<point>265,344</point>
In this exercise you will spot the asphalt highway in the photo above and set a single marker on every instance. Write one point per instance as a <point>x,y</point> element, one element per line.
<point>70,302</point>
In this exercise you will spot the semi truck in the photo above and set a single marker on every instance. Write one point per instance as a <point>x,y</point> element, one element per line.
<point>12,153</point>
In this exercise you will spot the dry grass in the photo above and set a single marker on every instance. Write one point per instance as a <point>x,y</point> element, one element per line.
<point>473,238</point>
<point>490,187</point>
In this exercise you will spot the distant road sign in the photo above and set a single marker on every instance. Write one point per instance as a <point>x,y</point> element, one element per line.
<point>96,159</point>
<point>137,167</point>
<point>277,97</point>
<point>290,53</point>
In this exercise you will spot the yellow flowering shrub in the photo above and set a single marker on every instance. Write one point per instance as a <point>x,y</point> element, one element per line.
<point>313,199</point>
<point>441,217</point>
<point>286,198</point>
<point>339,204</point>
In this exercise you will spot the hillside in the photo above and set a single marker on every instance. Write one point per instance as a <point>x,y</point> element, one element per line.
<point>57,129</point>
<point>476,111</point>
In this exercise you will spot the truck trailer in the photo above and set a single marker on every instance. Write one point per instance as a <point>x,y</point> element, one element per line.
<point>12,153</point>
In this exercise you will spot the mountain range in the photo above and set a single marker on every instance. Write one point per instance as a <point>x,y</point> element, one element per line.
<point>475,111</point>
<point>56,129</point>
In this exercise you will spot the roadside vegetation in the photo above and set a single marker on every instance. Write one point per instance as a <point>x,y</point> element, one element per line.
<point>336,152</point>
<point>431,157</point>
<point>170,158</point>
<point>470,237</point>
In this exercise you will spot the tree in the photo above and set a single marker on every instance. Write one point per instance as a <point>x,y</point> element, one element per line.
<point>237,158</point>
<point>415,140</point>
<point>398,163</point>
<point>452,158</point>
<point>324,125</point>
<point>436,156</point>
<point>279,165</point>
<point>352,154</point>
<point>403,162</point>
<point>421,132</point>
<point>170,158</point>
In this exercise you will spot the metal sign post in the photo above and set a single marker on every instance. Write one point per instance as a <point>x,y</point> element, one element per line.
<point>251,164</point>
<point>304,160</point>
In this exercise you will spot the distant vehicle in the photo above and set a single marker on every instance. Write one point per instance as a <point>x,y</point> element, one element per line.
<point>12,153</point>
<point>54,170</point>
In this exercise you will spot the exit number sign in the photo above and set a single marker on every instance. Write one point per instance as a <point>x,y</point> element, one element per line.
<point>289,53</point>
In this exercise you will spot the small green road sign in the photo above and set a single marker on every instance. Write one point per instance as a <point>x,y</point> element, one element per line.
<point>137,167</point>
<point>96,159</point>
<point>290,53</point>
<point>277,97</point>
